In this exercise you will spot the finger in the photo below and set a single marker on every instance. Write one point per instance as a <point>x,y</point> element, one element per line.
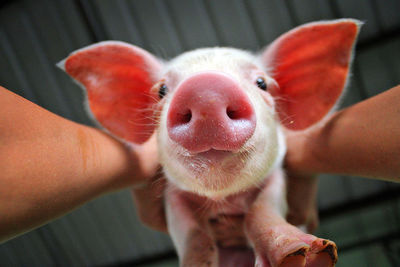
<point>313,221</point>
<point>149,201</point>
<point>301,197</point>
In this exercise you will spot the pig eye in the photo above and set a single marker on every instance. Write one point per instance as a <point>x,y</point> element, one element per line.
<point>163,90</point>
<point>261,83</point>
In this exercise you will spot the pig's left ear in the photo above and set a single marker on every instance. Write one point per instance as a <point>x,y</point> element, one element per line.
<point>118,78</point>
<point>311,65</point>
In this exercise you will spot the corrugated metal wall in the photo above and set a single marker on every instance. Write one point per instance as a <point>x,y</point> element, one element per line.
<point>361,215</point>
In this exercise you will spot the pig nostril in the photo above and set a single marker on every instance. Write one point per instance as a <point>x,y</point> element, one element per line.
<point>185,117</point>
<point>232,114</point>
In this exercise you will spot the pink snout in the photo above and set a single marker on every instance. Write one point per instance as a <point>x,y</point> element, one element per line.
<point>210,111</point>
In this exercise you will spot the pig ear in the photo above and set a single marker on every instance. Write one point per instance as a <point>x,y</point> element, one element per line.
<point>311,65</point>
<point>118,78</point>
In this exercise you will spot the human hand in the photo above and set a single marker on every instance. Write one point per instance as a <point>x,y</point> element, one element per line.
<point>301,187</point>
<point>149,201</point>
<point>302,201</point>
<point>148,196</point>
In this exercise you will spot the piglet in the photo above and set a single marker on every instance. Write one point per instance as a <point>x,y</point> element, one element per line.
<point>219,115</point>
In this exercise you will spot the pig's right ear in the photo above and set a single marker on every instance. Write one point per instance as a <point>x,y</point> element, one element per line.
<point>118,78</point>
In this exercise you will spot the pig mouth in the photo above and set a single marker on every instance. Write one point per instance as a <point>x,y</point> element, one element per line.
<point>214,155</point>
<point>214,162</point>
<point>212,172</point>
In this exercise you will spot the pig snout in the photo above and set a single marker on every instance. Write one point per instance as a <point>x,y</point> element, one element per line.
<point>209,110</point>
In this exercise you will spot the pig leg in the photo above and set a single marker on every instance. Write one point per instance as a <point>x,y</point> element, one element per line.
<point>275,241</point>
<point>193,243</point>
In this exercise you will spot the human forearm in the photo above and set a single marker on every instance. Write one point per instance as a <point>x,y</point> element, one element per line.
<point>50,165</point>
<point>362,140</point>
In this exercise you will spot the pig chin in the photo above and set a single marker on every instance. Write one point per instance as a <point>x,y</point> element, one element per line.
<point>217,173</point>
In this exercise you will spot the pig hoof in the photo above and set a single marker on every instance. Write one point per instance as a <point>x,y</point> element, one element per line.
<point>296,258</point>
<point>322,253</point>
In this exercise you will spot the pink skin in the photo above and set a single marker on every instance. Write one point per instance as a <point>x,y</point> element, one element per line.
<point>219,136</point>
<point>210,111</point>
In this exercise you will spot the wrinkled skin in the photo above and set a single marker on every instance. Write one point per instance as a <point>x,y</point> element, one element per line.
<point>219,115</point>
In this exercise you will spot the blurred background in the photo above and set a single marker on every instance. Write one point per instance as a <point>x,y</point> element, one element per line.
<point>362,216</point>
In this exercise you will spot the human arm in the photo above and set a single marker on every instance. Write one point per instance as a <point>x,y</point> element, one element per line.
<point>362,140</point>
<point>50,165</point>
